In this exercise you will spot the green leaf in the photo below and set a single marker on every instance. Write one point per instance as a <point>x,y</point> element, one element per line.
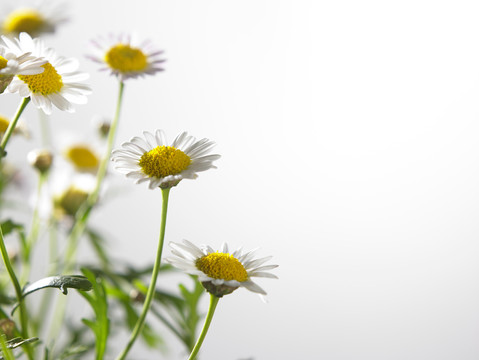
<point>62,282</point>
<point>7,346</point>
<point>9,226</point>
<point>100,325</point>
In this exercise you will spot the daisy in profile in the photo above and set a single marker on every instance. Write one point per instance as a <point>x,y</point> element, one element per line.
<point>153,161</point>
<point>58,85</point>
<point>35,20</point>
<point>127,58</point>
<point>221,272</point>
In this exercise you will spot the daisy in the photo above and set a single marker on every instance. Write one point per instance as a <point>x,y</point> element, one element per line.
<point>23,64</point>
<point>34,20</point>
<point>152,160</point>
<point>57,85</point>
<point>70,194</point>
<point>20,129</point>
<point>125,57</point>
<point>219,271</point>
<point>82,157</point>
<point>11,65</point>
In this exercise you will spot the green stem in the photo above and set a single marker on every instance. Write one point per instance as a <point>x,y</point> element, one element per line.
<point>11,126</point>
<point>211,310</point>
<point>34,230</point>
<point>84,212</point>
<point>18,292</point>
<point>151,289</point>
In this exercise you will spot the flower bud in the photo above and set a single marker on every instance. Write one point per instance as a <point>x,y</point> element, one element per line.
<point>40,159</point>
<point>7,327</point>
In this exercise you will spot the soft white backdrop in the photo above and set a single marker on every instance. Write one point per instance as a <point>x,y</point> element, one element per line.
<point>350,152</point>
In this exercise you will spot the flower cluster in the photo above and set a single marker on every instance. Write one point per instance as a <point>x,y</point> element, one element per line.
<point>71,187</point>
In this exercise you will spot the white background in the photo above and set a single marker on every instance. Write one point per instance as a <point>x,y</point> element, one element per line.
<point>349,139</point>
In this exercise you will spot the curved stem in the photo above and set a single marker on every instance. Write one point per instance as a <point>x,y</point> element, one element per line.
<point>84,212</point>
<point>18,292</point>
<point>11,125</point>
<point>211,310</point>
<point>151,289</point>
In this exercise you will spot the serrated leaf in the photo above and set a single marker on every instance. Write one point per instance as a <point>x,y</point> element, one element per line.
<point>9,226</point>
<point>100,325</point>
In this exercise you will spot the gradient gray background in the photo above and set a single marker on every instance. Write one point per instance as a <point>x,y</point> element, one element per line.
<point>349,139</point>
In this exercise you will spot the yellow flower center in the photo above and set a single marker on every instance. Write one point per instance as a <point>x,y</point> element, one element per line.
<point>82,157</point>
<point>3,124</point>
<point>24,20</point>
<point>163,161</point>
<point>3,62</point>
<point>48,82</point>
<point>222,266</point>
<point>125,58</point>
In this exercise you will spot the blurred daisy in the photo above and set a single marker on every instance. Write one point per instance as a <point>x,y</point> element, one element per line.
<point>152,160</point>
<point>57,85</point>
<point>82,157</point>
<point>126,58</point>
<point>20,129</point>
<point>219,271</point>
<point>34,20</point>
<point>70,196</point>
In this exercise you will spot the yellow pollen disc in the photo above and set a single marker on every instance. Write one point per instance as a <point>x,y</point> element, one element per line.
<point>3,124</point>
<point>3,62</point>
<point>24,20</point>
<point>163,161</point>
<point>125,58</point>
<point>82,157</point>
<point>48,82</point>
<point>222,266</point>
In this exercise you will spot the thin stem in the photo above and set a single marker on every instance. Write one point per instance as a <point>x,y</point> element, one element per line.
<point>151,289</point>
<point>84,212</point>
<point>34,230</point>
<point>211,310</point>
<point>11,125</point>
<point>18,292</point>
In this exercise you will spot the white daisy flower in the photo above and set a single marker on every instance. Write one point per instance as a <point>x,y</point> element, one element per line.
<point>152,160</point>
<point>125,57</point>
<point>24,64</point>
<point>57,85</point>
<point>219,271</point>
<point>82,157</point>
<point>13,63</point>
<point>43,17</point>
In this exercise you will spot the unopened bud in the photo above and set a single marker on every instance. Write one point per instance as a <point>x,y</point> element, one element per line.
<point>40,159</point>
<point>103,125</point>
<point>137,296</point>
<point>7,327</point>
